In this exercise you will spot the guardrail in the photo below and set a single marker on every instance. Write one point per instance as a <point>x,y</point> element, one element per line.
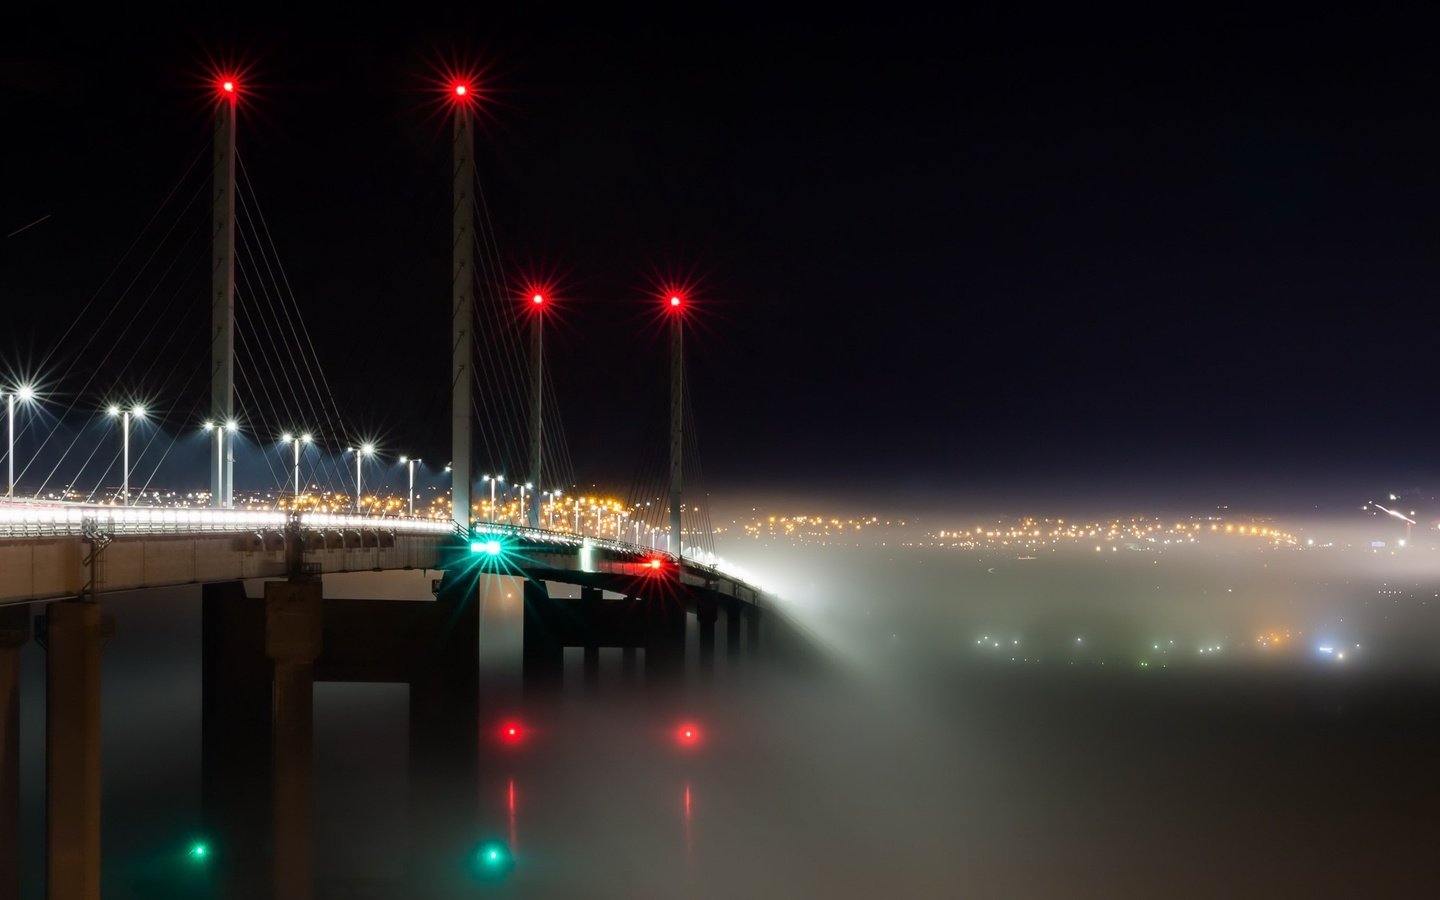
<point>47,520</point>
<point>35,519</point>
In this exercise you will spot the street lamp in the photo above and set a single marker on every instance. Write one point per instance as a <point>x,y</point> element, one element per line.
<point>288,438</point>
<point>231,426</point>
<point>125,415</point>
<point>554,499</point>
<point>410,463</point>
<point>364,451</point>
<point>493,479</point>
<point>25,394</point>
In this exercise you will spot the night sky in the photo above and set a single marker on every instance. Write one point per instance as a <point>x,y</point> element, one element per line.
<point>1164,260</point>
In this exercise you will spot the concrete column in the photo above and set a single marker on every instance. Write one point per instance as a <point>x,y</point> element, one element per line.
<point>589,614</point>
<point>72,749</point>
<point>627,663</point>
<point>14,630</point>
<point>592,665</point>
<point>293,629</point>
<point>752,629</point>
<point>732,630</point>
<point>706,612</point>
<point>444,748</point>
<point>664,639</point>
<point>544,654</point>
<point>235,739</point>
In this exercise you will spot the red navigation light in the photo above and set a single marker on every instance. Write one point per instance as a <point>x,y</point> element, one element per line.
<point>674,302</point>
<point>512,732</point>
<point>227,88</point>
<point>688,734</point>
<point>654,563</point>
<point>462,93</point>
<point>539,294</point>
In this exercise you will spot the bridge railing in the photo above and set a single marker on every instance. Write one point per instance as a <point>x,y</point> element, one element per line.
<point>700,560</point>
<point>47,520</point>
<point>79,519</point>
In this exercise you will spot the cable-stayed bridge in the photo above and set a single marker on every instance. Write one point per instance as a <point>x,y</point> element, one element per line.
<point>233,386</point>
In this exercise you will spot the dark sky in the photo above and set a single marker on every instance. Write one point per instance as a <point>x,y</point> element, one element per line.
<point>1175,258</point>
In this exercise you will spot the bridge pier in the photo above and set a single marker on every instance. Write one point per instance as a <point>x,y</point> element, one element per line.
<point>543,662</point>
<point>294,621</point>
<point>235,738</point>
<point>14,631</point>
<point>444,728</point>
<point>752,630</point>
<point>732,630</point>
<point>590,599</point>
<point>627,663</point>
<point>73,638</point>
<point>664,638</point>
<point>706,612</point>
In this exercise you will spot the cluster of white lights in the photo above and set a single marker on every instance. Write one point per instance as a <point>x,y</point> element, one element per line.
<point>132,518</point>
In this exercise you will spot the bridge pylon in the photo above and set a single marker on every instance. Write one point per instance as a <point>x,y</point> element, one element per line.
<point>462,307</point>
<point>222,293</point>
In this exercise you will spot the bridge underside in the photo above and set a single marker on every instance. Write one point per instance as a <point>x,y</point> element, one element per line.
<point>51,568</point>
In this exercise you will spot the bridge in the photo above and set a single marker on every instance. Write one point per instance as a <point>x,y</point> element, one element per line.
<point>271,627</point>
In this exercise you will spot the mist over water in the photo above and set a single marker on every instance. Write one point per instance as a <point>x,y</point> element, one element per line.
<point>1085,755</point>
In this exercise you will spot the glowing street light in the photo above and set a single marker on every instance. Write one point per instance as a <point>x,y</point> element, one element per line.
<point>554,499</point>
<point>305,438</point>
<point>25,394</point>
<point>410,463</point>
<point>493,479</point>
<point>527,486</point>
<point>364,451</point>
<point>125,415</point>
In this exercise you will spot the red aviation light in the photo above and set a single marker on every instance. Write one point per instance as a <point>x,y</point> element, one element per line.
<point>227,88</point>
<point>675,301</point>
<point>539,295</point>
<point>461,93</point>
<point>687,734</point>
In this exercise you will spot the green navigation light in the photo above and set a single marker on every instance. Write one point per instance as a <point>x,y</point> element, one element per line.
<point>492,859</point>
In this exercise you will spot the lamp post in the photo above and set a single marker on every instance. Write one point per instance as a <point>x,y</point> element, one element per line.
<point>296,442</point>
<point>24,393</point>
<point>493,479</point>
<point>410,464</point>
<point>364,451</point>
<point>550,517</point>
<point>125,414</point>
